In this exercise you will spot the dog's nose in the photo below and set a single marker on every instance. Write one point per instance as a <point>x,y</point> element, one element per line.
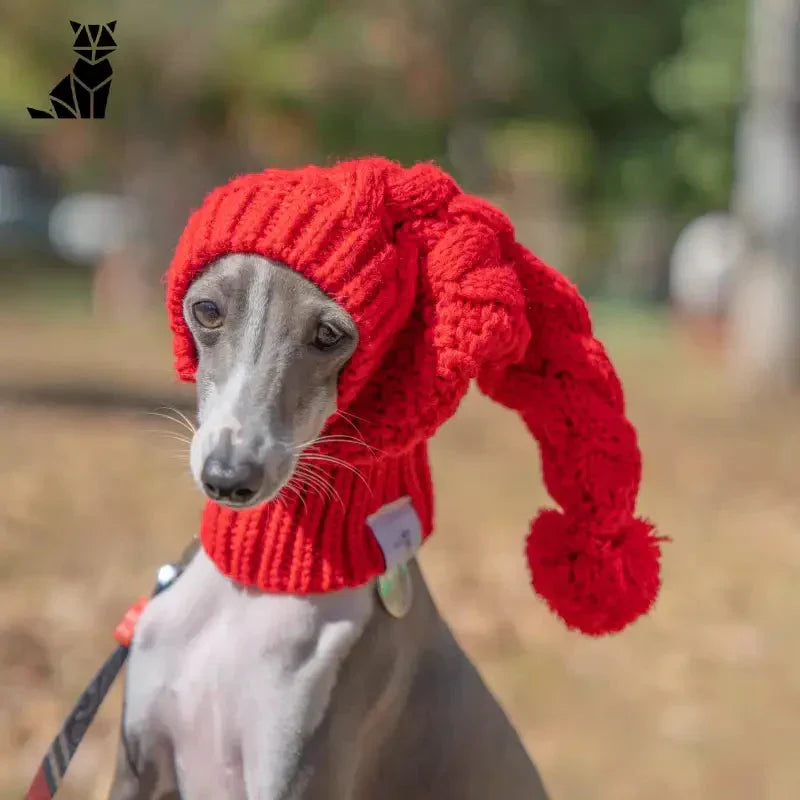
<point>235,483</point>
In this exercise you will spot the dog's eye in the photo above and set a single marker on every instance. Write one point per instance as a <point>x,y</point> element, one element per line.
<point>327,336</point>
<point>207,313</point>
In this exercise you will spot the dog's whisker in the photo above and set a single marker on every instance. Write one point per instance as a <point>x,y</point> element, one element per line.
<point>334,438</point>
<point>314,480</point>
<point>353,416</point>
<point>186,419</point>
<point>160,413</point>
<point>310,473</point>
<point>348,418</point>
<point>311,488</point>
<point>169,435</point>
<point>289,485</point>
<point>302,470</point>
<point>306,470</point>
<point>181,420</point>
<point>168,432</point>
<point>350,422</point>
<point>325,480</point>
<point>308,457</point>
<point>341,438</point>
<point>331,437</point>
<point>166,417</point>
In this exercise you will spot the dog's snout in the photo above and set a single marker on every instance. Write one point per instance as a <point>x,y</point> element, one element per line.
<point>236,483</point>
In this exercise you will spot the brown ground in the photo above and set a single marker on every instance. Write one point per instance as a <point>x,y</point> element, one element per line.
<point>700,700</point>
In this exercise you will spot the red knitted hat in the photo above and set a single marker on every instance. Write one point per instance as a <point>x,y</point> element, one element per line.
<point>442,294</point>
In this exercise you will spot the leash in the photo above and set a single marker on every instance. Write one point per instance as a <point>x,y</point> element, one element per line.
<point>55,762</point>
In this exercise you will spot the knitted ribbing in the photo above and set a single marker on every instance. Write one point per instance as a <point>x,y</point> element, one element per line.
<point>287,546</point>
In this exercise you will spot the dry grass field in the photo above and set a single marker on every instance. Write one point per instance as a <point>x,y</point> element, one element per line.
<point>699,701</point>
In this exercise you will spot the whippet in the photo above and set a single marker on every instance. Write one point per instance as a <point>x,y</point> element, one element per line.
<point>236,693</point>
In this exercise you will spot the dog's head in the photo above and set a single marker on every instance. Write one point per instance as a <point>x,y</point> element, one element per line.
<point>271,346</point>
<point>93,43</point>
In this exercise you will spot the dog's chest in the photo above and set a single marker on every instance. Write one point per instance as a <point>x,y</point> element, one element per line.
<point>225,686</point>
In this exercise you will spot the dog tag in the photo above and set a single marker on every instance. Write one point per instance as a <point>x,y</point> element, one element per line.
<point>396,590</point>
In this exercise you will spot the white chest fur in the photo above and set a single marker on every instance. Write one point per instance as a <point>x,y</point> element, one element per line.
<point>235,681</point>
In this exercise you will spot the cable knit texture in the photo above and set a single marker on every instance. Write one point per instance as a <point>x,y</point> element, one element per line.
<point>442,295</point>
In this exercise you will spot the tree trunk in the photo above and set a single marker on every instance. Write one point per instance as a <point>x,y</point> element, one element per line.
<point>764,341</point>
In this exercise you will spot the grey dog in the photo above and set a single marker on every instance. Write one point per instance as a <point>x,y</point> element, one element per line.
<point>236,693</point>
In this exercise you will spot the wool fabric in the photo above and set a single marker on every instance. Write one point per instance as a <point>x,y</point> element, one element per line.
<point>442,294</point>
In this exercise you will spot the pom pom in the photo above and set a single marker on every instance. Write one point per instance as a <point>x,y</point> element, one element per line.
<point>597,581</point>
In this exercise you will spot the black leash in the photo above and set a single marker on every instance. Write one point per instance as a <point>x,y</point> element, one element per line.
<point>55,762</point>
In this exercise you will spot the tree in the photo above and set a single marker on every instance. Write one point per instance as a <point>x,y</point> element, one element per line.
<point>765,318</point>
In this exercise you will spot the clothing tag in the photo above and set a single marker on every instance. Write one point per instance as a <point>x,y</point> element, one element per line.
<point>398,530</point>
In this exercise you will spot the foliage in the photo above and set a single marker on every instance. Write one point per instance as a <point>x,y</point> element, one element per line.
<point>628,106</point>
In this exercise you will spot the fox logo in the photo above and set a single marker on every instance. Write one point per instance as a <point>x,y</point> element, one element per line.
<point>83,93</point>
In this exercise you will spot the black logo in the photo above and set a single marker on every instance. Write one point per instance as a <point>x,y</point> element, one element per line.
<point>83,94</point>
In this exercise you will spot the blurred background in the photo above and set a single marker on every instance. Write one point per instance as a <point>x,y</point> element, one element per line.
<point>650,151</point>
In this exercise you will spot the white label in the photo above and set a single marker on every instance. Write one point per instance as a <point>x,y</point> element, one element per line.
<point>398,530</point>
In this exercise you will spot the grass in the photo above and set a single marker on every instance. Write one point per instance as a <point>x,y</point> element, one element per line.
<point>699,700</point>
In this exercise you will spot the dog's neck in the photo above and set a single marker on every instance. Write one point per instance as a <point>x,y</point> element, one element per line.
<point>280,652</point>
<point>239,693</point>
<point>320,539</point>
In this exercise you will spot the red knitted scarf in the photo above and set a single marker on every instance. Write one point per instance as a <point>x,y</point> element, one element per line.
<point>318,541</point>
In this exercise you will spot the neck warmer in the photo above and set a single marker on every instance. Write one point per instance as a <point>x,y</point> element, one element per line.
<point>442,295</point>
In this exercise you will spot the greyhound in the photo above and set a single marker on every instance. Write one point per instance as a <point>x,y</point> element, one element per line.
<point>236,693</point>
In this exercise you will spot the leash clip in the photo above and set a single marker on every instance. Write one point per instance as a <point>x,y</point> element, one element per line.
<point>167,575</point>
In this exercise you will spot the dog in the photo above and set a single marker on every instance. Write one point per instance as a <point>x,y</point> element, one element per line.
<point>299,655</point>
<point>83,94</point>
<point>235,693</point>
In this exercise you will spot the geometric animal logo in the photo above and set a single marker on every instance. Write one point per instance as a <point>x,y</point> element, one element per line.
<point>83,93</point>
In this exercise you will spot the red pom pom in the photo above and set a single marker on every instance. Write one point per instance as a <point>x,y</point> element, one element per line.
<point>597,581</point>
